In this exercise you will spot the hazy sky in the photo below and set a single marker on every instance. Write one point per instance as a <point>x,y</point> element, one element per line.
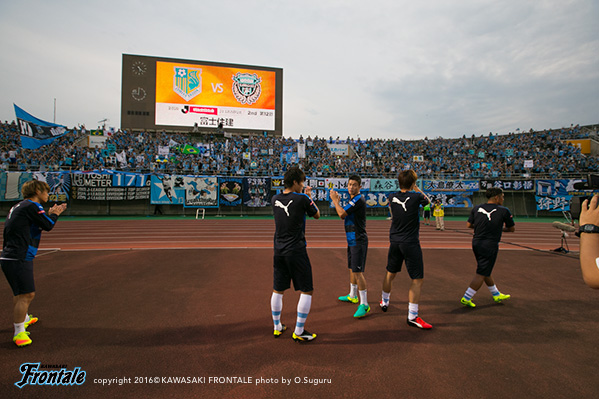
<point>384,69</point>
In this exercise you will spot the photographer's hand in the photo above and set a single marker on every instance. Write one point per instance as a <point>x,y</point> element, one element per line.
<point>589,243</point>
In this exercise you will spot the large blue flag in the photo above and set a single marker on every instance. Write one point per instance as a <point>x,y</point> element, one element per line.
<point>36,132</point>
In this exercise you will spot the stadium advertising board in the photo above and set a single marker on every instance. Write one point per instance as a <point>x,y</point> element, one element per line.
<point>109,186</point>
<point>188,95</point>
<point>508,185</point>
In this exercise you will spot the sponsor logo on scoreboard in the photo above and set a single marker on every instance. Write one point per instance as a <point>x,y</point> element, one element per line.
<point>199,110</point>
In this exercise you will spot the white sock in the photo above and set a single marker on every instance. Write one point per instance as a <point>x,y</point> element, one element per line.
<point>386,296</point>
<point>303,308</point>
<point>353,290</point>
<point>493,289</point>
<point>412,311</point>
<point>276,305</point>
<point>27,318</point>
<point>469,293</point>
<point>363,298</point>
<point>19,328</point>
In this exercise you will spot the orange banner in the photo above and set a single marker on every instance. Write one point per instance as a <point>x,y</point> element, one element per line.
<point>193,84</point>
<point>584,145</point>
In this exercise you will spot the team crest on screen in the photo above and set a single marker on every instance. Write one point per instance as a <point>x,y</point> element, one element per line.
<point>187,82</point>
<point>246,87</point>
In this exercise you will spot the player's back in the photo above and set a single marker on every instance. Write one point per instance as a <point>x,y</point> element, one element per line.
<point>289,210</point>
<point>405,224</point>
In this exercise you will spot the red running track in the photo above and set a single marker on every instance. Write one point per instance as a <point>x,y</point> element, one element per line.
<point>258,233</point>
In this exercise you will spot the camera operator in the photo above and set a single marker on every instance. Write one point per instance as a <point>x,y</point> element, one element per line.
<point>589,241</point>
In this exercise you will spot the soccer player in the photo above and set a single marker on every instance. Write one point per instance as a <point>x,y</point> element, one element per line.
<point>291,262</point>
<point>354,218</point>
<point>405,244</point>
<point>488,222</point>
<point>22,232</point>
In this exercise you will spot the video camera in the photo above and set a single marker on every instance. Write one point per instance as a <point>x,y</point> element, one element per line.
<point>592,183</point>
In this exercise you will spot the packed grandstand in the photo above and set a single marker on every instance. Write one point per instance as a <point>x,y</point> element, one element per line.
<point>547,153</point>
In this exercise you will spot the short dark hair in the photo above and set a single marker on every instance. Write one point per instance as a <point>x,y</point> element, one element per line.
<point>30,188</point>
<point>407,178</point>
<point>356,178</point>
<point>493,192</point>
<point>292,175</point>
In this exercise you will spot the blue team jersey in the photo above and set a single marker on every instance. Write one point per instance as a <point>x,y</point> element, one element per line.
<point>355,221</point>
<point>23,230</point>
<point>290,212</point>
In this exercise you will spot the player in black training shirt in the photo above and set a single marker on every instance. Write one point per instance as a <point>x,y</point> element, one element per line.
<point>488,222</point>
<point>22,232</point>
<point>354,217</point>
<point>405,244</point>
<point>291,262</point>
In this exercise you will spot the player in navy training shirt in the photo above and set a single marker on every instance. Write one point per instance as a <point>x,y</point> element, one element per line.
<point>405,244</point>
<point>291,262</point>
<point>22,232</point>
<point>354,218</point>
<point>487,220</point>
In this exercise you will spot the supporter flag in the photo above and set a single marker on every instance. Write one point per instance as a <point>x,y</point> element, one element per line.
<point>35,132</point>
<point>189,149</point>
<point>98,132</point>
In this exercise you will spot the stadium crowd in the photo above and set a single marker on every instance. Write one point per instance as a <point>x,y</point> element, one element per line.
<point>485,156</point>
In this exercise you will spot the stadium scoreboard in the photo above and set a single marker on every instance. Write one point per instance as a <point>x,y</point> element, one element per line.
<point>187,95</point>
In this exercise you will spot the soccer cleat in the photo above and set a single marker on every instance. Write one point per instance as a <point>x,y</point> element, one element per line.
<point>383,306</point>
<point>347,298</point>
<point>419,323</point>
<point>303,337</point>
<point>362,311</point>
<point>467,302</point>
<point>32,320</point>
<point>22,339</point>
<point>501,297</point>
<point>278,333</point>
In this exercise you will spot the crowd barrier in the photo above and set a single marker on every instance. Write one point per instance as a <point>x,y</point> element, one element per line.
<point>112,193</point>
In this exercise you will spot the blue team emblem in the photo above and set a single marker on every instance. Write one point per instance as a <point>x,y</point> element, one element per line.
<point>246,87</point>
<point>187,82</point>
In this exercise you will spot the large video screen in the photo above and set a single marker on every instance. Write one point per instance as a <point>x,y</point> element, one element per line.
<point>186,95</point>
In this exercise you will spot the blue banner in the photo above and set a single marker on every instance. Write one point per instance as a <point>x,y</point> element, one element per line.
<point>35,132</point>
<point>167,190</point>
<point>553,203</point>
<point>256,192</point>
<point>231,190</point>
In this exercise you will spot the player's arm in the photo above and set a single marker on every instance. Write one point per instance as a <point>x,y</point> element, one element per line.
<point>38,215</point>
<point>418,190</point>
<point>470,222</point>
<point>336,199</point>
<point>509,226</point>
<point>313,209</point>
<point>589,243</point>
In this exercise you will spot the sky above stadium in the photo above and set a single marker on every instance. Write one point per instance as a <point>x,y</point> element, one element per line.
<point>384,69</point>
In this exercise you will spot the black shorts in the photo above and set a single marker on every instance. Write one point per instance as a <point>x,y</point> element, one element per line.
<point>411,253</point>
<point>293,267</point>
<point>19,274</point>
<point>427,214</point>
<point>356,257</point>
<point>485,253</point>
